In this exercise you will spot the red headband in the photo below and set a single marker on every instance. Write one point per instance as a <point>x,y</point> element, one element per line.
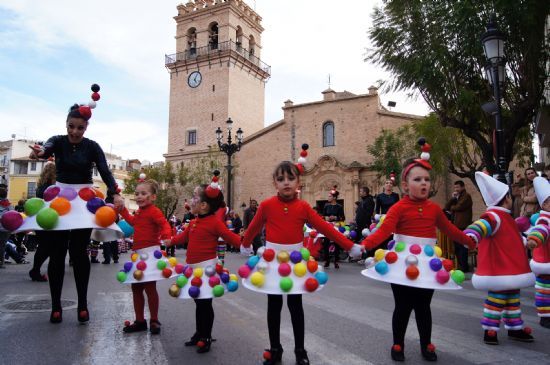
<point>418,162</point>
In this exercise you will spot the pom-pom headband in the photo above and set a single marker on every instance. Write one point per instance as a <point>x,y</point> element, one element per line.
<point>84,111</point>
<point>213,190</point>
<point>300,165</point>
<point>423,160</point>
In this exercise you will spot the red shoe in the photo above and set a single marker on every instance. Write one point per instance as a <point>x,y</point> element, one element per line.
<point>56,317</point>
<point>83,316</point>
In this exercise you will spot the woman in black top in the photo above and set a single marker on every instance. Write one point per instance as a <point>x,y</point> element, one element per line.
<point>332,212</point>
<point>75,157</point>
<point>386,199</point>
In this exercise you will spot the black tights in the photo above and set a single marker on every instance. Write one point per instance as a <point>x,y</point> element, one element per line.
<point>274,307</point>
<point>76,241</point>
<point>406,299</point>
<point>43,239</point>
<point>204,317</point>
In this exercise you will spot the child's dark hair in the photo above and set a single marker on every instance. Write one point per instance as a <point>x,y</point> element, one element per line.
<point>213,203</point>
<point>152,184</point>
<point>286,167</point>
<point>74,112</point>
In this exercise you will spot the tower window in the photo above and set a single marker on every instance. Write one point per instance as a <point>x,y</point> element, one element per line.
<point>328,134</point>
<point>191,137</point>
<point>213,36</point>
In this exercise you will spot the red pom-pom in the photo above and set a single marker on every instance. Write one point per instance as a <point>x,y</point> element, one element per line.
<point>85,111</point>
<point>166,272</point>
<point>303,153</point>
<point>96,96</point>
<point>527,330</point>
<point>200,344</point>
<point>412,272</point>
<point>491,333</point>
<point>448,264</point>
<point>313,234</point>
<point>396,348</point>
<point>86,194</point>
<point>311,284</point>
<point>163,253</point>
<point>300,168</point>
<point>430,347</point>
<point>212,192</point>
<point>426,147</point>
<point>215,179</point>
<point>126,323</point>
<point>391,257</point>
<point>267,355</point>
<point>219,268</point>
<point>196,281</point>
<point>269,254</point>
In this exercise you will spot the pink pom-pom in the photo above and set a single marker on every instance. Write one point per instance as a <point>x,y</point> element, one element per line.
<point>523,223</point>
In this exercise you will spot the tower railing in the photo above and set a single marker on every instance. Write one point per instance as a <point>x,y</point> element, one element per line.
<point>216,49</point>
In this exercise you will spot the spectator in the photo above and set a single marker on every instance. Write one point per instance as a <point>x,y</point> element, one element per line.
<point>110,250</point>
<point>249,213</point>
<point>530,204</point>
<point>547,171</point>
<point>365,210</point>
<point>385,199</point>
<point>20,207</point>
<point>332,212</point>
<point>516,197</point>
<point>11,251</point>
<point>460,208</point>
<point>4,234</point>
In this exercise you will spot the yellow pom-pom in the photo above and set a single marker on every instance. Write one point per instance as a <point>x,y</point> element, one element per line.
<point>173,261</point>
<point>233,277</point>
<point>438,251</point>
<point>257,279</point>
<point>379,254</point>
<point>197,272</point>
<point>134,257</point>
<point>300,269</point>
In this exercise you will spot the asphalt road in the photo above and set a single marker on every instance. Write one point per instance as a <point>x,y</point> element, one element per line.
<point>348,322</point>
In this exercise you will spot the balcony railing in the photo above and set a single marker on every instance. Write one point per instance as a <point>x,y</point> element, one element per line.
<point>215,49</point>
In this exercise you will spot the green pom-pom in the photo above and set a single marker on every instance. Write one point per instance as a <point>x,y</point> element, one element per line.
<point>47,218</point>
<point>181,281</point>
<point>121,276</point>
<point>457,276</point>
<point>305,253</point>
<point>286,284</point>
<point>400,246</point>
<point>33,205</point>
<point>161,264</point>
<point>218,291</point>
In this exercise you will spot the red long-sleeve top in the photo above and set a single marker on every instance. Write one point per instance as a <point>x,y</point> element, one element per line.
<point>201,236</point>
<point>150,226</point>
<point>284,223</point>
<point>418,219</point>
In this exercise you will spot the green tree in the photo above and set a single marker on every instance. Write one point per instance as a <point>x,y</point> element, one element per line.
<point>434,47</point>
<point>176,182</point>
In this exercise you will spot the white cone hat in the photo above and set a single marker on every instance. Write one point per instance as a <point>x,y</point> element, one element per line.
<point>492,190</point>
<point>542,189</point>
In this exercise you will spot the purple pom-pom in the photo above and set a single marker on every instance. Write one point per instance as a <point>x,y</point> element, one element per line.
<point>128,266</point>
<point>436,264</point>
<point>295,256</point>
<point>194,291</point>
<point>157,254</point>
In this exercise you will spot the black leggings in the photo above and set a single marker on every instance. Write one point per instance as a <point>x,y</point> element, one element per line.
<point>274,307</point>
<point>204,317</point>
<point>76,241</point>
<point>326,250</point>
<point>406,299</point>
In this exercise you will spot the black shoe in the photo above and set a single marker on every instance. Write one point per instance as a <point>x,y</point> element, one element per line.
<point>115,261</point>
<point>428,353</point>
<point>301,357</point>
<point>490,337</point>
<point>336,266</point>
<point>106,262</point>
<point>56,317</point>
<point>94,261</point>
<point>545,322</point>
<point>137,326</point>
<point>273,356</point>
<point>154,327</point>
<point>193,341</point>
<point>327,264</point>
<point>204,345</point>
<point>397,353</point>
<point>36,276</point>
<point>83,315</point>
<point>523,335</point>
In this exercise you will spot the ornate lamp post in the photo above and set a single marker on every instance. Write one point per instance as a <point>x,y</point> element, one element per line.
<point>229,148</point>
<point>493,47</point>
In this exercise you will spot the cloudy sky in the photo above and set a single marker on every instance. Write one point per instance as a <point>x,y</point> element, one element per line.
<point>52,51</point>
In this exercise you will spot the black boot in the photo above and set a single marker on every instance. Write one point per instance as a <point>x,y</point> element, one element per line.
<point>490,337</point>
<point>523,335</point>
<point>83,315</point>
<point>137,326</point>
<point>193,341</point>
<point>545,322</point>
<point>301,357</point>
<point>154,326</point>
<point>204,345</point>
<point>273,356</point>
<point>56,316</point>
<point>428,352</point>
<point>36,276</point>
<point>397,353</point>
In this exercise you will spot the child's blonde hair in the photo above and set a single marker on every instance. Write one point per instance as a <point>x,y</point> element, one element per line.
<point>152,184</point>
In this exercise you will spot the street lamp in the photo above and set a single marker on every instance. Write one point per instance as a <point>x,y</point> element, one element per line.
<point>493,47</point>
<point>229,149</point>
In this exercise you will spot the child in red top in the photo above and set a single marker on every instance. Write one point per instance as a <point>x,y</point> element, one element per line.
<point>150,226</point>
<point>201,236</point>
<point>284,216</point>
<point>411,264</point>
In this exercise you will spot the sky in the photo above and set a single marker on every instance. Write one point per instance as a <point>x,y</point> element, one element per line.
<point>52,51</point>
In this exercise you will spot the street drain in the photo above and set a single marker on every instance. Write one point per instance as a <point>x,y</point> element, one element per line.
<point>34,305</point>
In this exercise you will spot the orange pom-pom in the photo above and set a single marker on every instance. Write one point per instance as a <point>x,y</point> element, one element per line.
<point>61,205</point>
<point>99,193</point>
<point>105,216</point>
<point>412,272</point>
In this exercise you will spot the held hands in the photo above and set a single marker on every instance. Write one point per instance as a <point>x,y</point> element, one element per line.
<point>36,152</point>
<point>356,251</point>
<point>118,202</point>
<point>245,251</point>
<point>531,244</point>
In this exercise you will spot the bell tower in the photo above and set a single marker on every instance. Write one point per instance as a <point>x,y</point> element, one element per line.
<point>215,73</point>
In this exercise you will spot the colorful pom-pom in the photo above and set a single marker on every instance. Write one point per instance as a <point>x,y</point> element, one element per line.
<point>257,279</point>
<point>11,220</point>
<point>47,218</point>
<point>86,194</point>
<point>286,284</point>
<point>391,257</point>
<point>442,276</point>
<point>321,277</point>
<point>269,254</point>
<point>412,272</point>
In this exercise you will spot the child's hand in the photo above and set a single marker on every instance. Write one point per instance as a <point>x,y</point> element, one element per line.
<point>356,251</point>
<point>245,251</point>
<point>531,244</point>
<point>167,243</point>
<point>118,202</point>
<point>37,152</point>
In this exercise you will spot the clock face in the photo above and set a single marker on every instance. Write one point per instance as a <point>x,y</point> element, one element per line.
<point>194,79</point>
